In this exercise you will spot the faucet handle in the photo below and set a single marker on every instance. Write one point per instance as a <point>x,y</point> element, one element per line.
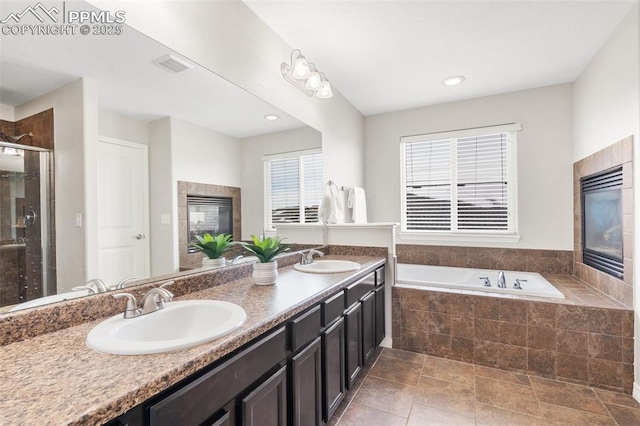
<point>167,284</point>
<point>132,309</point>
<point>90,289</point>
<point>121,284</point>
<point>517,285</point>
<point>487,281</point>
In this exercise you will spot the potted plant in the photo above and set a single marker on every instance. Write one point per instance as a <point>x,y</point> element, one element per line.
<point>266,249</point>
<point>214,248</point>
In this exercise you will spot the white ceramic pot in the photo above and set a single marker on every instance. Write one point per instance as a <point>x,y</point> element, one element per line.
<point>214,263</point>
<point>265,273</point>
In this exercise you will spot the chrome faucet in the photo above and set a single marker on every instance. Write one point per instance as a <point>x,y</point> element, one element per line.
<point>502,282</point>
<point>152,301</point>
<point>487,282</point>
<point>93,286</point>
<point>307,258</point>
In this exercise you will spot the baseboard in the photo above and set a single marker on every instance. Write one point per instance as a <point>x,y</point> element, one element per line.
<point>387,342</point>
<point>636,391</point>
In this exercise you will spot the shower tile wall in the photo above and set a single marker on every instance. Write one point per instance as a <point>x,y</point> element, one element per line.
<point>620,153</point>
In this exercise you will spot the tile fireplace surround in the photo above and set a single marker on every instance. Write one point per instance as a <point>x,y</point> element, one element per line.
<point>620,153</point>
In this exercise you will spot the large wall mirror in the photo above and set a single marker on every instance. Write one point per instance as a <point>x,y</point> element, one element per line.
<point>103,139</point>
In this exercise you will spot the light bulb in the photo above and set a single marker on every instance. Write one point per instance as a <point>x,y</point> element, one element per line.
<point>325,91</point>
<point>453,81</point>
<point>314,81</point>
<point>301,69</point>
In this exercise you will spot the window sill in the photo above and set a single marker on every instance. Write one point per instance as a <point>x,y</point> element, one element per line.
<point>458,237</point>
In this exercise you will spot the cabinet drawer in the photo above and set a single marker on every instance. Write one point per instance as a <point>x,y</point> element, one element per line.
<point>200,399</point>
<point>358,289</point>
<point>332,308</point>
<point>304,328</point>
<point>380,276</point>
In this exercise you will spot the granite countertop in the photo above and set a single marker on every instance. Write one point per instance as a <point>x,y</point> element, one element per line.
<point>56,379</point>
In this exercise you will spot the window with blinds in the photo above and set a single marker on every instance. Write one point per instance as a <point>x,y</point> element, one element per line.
<point>294,189</point>
<point>463,183</point>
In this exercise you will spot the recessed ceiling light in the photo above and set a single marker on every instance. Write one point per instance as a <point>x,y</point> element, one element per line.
<point>271,117</point>
<point>453,81</point>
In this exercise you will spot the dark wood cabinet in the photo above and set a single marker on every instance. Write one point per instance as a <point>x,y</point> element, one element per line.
<point>353,341</point>
<point>267,404</point>
<point>333,368</point>
<point>379,315</point>
<point>368,326</point>
<point>306,386</point>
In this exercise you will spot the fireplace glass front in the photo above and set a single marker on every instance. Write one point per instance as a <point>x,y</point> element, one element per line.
<point>208,215</point>
<point>602,222</point>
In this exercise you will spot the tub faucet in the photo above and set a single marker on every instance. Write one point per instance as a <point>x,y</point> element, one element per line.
<point>307,258</point>
<point>517,285</point>
<point>502,282</point>
<point>487,282</point>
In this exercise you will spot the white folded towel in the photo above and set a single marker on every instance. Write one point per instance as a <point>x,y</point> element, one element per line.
<point>331,209</point>
<point>358,202</point>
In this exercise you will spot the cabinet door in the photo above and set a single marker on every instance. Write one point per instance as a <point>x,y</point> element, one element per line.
<point>368,325</point>
<point>267,405</point>
<point>353,338</point>
<point>380,318</point>
<point>306,386</point>
<point>333,370</point>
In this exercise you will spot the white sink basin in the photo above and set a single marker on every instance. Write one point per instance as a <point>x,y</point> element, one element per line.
<point>328,266</point>
<point>179,325</point>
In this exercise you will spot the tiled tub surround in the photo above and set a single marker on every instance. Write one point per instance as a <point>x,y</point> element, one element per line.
<point>620,153</point>
<point>524,260</point>
<point>55,378</point>
<point>585,339</point>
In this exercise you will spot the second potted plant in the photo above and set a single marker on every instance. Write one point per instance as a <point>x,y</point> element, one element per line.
<point>214,248</point>
<point>265,271</point>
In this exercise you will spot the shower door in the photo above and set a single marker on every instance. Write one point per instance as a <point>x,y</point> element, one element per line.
<point>25,229</point>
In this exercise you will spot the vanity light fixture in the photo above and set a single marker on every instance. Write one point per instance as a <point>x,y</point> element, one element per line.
<point>453,81</point>
<point>271,117</point>
<point>305,76</point>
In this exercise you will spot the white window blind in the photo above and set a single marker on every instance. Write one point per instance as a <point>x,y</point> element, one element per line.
<point>460,184</point>
<point>294,189</point>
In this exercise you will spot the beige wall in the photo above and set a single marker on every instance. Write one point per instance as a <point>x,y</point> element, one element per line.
<point>118,126</point>
<point>545,209</point>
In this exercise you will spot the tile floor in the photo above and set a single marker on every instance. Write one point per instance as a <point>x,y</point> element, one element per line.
<point>406,388</point>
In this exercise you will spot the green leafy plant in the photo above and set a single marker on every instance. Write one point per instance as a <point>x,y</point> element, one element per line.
<point>214,247</point>
<point>265,249</point>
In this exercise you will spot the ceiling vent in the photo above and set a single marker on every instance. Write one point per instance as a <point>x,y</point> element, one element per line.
<point>172,64</point>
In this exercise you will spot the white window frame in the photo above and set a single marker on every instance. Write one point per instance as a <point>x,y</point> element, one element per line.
<point>468,236</point>
<point>268,225</point>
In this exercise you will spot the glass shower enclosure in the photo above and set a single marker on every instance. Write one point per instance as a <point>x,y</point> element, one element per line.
<point>27,264</point>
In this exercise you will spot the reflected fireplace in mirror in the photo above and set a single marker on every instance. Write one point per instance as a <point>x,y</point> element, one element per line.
<point>208,215</point>
<point>602,221</point>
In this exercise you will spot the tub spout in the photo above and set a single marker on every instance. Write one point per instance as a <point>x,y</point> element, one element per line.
<point>502,282</point>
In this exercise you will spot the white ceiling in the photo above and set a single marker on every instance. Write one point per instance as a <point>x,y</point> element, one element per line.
<point>392,55</point>
<point>129,83</point>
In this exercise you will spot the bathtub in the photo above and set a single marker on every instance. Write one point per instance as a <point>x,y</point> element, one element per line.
<point>417,276</point>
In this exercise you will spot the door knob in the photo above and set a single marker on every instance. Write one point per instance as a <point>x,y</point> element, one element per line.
<point>138,236</point>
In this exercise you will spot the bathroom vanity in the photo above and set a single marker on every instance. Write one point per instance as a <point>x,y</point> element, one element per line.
<point>295,373</point>
<point>302,346</point>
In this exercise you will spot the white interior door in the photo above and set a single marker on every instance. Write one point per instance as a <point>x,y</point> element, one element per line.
<point>123,210</point>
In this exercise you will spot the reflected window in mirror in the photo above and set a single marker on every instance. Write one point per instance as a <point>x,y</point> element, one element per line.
<point>293,187</point>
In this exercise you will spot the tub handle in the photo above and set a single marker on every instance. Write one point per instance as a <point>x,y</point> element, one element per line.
<point>517,285</point>
<point>487,282</point>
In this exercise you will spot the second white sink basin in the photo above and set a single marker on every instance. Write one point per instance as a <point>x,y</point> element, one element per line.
<point>330,266</point>
<point>179,325</point>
